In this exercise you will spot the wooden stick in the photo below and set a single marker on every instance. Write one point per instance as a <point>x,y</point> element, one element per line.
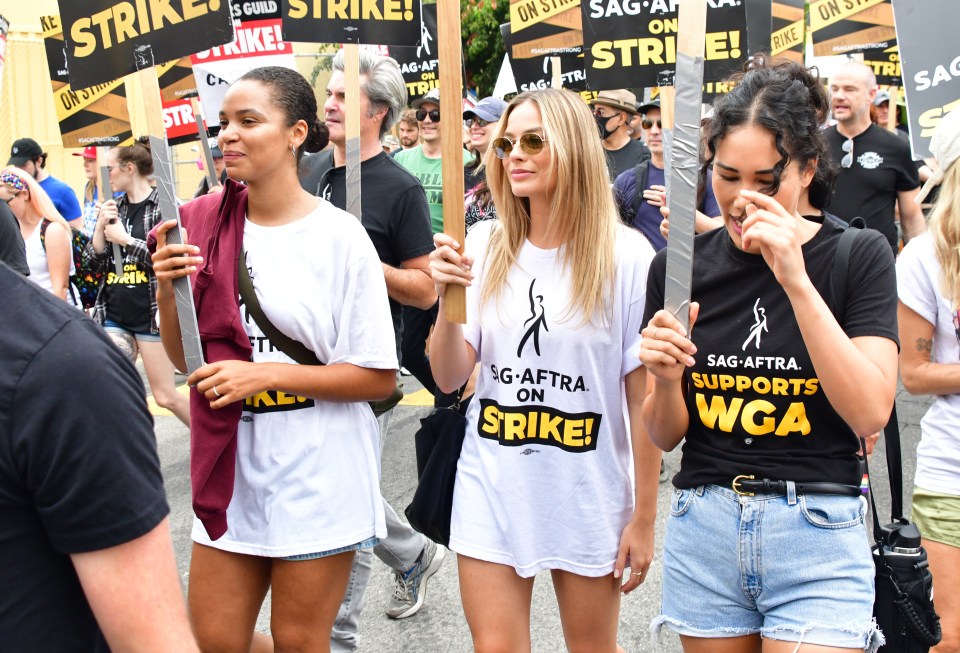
<point>451,139</point>
<point>892,109</point>
<point>668,96</point>
<point>351,70</point>
<point>163,172</point>
<point>555,69</point>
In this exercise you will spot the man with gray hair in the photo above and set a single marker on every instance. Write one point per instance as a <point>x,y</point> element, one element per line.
<point>395,214</point>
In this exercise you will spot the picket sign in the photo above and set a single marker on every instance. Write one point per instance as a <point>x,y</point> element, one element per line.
<point>451,139</point>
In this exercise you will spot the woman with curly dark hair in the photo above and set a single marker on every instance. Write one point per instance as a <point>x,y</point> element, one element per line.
<point>765,547</point>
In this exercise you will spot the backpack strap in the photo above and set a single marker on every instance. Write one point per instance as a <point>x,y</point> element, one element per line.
<point>641,172</point>
<point>292,348</point>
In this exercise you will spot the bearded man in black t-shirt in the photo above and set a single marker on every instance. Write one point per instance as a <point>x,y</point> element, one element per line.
<point>877,172</point>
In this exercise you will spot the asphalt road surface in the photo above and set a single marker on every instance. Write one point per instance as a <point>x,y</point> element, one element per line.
<point>440,626</point>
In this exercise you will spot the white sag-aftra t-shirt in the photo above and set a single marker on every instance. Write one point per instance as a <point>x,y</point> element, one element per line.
<point>308,471</point>
<point>544,477</point>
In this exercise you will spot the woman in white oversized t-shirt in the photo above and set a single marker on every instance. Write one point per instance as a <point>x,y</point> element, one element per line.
<point>306,493</point>
<point>928,286</point>
<point>554,302</point>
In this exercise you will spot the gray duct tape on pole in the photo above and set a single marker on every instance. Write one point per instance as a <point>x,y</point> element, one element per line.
<point>685,158</point>
<point>351,65</point>
<point>182,289</point>
<point>106,193</point>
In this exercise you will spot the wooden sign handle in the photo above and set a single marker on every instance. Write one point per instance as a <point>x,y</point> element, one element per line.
<point>451,138</point>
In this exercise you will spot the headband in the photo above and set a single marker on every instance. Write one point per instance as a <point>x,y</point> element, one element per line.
<point>12,180</point>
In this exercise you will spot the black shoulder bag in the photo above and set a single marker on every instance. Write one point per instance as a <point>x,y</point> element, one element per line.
<point>903,601</point>
<point>292,348</point>
<point>438,442</point>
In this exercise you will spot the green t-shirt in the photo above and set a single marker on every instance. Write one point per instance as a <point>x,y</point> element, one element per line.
<point>429,172</point>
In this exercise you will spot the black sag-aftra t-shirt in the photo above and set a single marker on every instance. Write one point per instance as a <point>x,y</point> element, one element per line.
<point>754,400</point>
<point>79,469</point>
<point>128,297</point>
<point>882,166</point>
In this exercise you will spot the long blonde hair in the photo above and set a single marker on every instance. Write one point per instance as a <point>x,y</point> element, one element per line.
<point>40,202</point>
<point>583,215</point>
<point>945,229</point>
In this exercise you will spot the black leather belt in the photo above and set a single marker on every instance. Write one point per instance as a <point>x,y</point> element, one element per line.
<point>749,486</point>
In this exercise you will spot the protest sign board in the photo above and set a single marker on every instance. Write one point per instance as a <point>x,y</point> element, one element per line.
<point>930,59</point>
<point>847,26</point>
<point>258,43</point>
<point>533,63</point>
<point>383,22</point>
<point>885,63</point>
<point>177,86</point>
<point>104,39</point>
<point>629,43</point>
<point>419,65</point>
<point>789,35</point>
<point>89,116</point>
<point>759,25</point>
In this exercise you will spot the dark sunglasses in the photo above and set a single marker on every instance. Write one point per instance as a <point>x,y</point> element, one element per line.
<point>434,115</point>
<point>847,159</point>
<point>479,122</point>
<point>647,124</point>
<point>529,143</point>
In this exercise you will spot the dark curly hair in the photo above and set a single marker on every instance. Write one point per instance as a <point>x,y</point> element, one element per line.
<point>293,94</point>
<point>790,102</point>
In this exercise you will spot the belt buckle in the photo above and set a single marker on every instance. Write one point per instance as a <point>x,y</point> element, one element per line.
<point>736,481</point>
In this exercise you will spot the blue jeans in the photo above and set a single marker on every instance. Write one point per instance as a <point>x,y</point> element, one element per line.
<point>796,568</point>
<point>399,550</point>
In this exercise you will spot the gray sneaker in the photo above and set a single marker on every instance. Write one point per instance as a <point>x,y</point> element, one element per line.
<point>411,587</point>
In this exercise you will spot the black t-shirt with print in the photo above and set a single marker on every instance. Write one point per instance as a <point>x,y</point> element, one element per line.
<point>393,205</point>
<point>882,166</point>
<point>626,157</point>
<point>128,298</point>
<point>754,400</point>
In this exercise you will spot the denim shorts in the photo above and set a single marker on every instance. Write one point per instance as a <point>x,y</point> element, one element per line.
<point>368,543</point>
<point>145,336</point>
<point>796,568</point>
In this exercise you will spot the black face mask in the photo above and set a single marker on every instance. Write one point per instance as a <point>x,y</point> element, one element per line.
<point>602,123</point>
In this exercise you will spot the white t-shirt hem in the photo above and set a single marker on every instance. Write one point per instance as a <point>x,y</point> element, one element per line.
<point>532,569</point>
<point>199,536</point>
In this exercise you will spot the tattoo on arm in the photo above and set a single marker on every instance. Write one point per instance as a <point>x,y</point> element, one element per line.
<point>924,345</point>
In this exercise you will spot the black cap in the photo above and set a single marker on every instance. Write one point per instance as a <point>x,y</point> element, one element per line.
<point>23,150</point>
<point>643,108</point>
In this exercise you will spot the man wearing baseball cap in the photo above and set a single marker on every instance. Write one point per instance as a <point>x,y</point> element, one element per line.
<point>613,111</point>
<point>27,155</point>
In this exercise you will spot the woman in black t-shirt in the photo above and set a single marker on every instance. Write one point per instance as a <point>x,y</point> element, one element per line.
<point>766,535</point>
<point>126,306</point>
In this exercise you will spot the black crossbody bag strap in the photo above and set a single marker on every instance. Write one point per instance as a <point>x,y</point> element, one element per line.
<point>292,348</point>
<point>891,432</point>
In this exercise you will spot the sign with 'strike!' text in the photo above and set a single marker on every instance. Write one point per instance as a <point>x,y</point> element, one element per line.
<point>379,22</point>
<point>107,39</point>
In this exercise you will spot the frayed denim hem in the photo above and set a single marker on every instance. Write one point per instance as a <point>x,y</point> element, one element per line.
<point>681,628</point>
<point>870,638</point>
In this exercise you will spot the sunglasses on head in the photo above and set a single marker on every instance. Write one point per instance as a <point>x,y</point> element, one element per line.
<point>473,120</point>
<point>434,115</point>
<point>847,159</point>
<point>648,124</point>
<point>529,143</point>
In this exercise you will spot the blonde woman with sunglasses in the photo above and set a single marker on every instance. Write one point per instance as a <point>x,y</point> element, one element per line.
<point>48,247</point>
<point>555,289</point>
